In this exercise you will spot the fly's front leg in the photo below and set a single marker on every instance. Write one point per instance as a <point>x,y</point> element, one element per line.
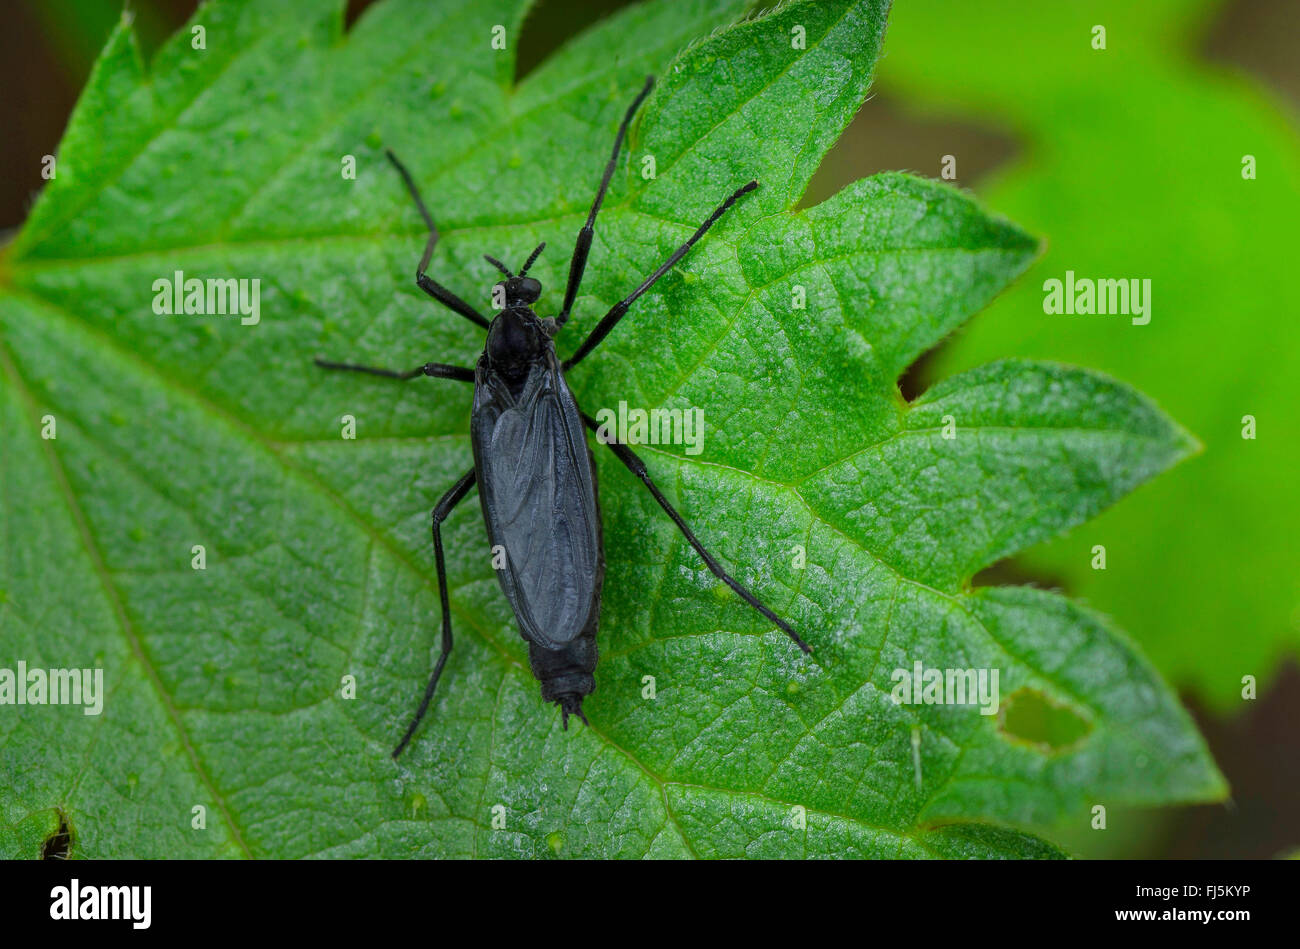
<point>619,310</point>
<point>426,283</point>
<point>582,246</point>
<point>436,369</point>
<point>440,512</point>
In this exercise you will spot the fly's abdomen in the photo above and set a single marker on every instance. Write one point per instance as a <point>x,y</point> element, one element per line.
<point>566,673</point>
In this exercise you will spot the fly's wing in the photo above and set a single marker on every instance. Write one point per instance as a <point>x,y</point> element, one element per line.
<point>539,501</point>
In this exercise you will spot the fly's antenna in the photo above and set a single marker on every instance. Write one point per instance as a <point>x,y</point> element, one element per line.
<point>497,264</point>
<point>532,258</point>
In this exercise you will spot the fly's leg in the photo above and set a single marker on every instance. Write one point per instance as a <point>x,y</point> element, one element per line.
<point>423,280</point>
<point>637,467</point>
<point>610,319</point>
<point>436,369</point>
<point>440,512</point>
<point>582,246</point>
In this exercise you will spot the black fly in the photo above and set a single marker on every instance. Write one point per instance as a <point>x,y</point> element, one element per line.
<point>535,474</point>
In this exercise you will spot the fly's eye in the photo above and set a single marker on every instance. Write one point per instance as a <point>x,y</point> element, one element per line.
<point>529,289</point>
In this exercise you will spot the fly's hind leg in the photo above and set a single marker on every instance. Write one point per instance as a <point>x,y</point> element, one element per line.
<point>440,512</point>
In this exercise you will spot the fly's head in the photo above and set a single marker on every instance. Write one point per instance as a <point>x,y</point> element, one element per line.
<point>517,290</point>
<point>517,337</point>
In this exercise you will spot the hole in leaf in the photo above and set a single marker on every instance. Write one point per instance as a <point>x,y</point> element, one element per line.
<point>58,845</point>
<point>1031,717</point>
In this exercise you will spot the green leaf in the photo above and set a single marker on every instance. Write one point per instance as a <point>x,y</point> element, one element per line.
<point>1131,161</point>
<point>224,684</point>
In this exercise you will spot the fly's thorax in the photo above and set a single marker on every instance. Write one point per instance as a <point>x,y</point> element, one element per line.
<point>517,340</point>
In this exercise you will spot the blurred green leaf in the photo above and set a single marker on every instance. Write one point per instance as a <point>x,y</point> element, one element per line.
<point>182,430</point>
<point>77,29</point>
<point>1132,164</point>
